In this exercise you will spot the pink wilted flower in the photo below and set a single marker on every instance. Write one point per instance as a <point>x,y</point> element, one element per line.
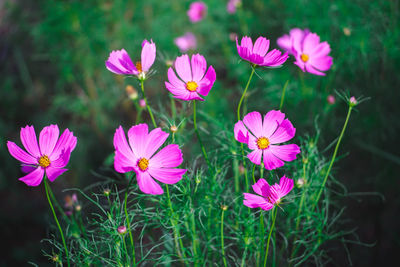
<point>197,11</point>
<point>193,80</point>
<point>268,195</point>
<point>311,55</point>
<point>257,53</point>
<point>262,136</point>
<point>186,42</point>
<point>287,40</point>
<point>232,5</point>
<point>119,61</point>
<point>49,157</point>
<point>140,156</point>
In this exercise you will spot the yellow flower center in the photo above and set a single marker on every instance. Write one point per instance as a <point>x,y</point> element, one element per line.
<point>143,164</point>
<point>191,86</point>
<point>44,161</point>
<point>138,66</point>
<point>304,57</point>
<point>262,143</point>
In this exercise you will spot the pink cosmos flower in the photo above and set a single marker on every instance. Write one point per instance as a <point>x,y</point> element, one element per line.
<point>140,156</point>
<point>119,61</point>
<point>49,157</point>
<point>232,5</point>
<point>193,80</point>
<point>258,55</point>
<point>263,136</point>
<point>287,40</point>
<point>268,195</point>
<point>311,55</point>
<point>197,11</point>
<point>186,42</point>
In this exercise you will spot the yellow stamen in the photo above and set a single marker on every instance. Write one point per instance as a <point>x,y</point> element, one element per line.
<point>191,86</point>
<point>44,161</point>
<point>262,143</point>
<point>138,66</point>
<point>304,57</point>
<point>143,164</point>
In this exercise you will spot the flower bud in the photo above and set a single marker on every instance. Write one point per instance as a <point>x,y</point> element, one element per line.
<point>122,229</point>
<point>300,182</point>
<point>142,103</point>
<point>78,207</point>
<point>331,99</point>
<point>106,192</point>
<point>224,207</point>
<point>353,101</point>
<point>173,129</point>
<point>131,91</point>
<point>346,31</point>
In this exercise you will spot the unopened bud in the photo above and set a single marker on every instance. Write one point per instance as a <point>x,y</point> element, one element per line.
<point>224,207</point>
<point>169,63</point>
<point>300,183</point>
<point>106,192</point>
<point>142,103</point>
<point>331,99</point>
<point>55,258</point>
<point>78,207</point>
<point>353,101</point>
<point>173,129</point>
<point>346,31</point>
<point>122,229</point>
<point>131,92</point>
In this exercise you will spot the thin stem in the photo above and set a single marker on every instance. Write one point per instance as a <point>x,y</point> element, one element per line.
<point>139,110</point>
<point>198,135</point>
<point>126,250</point>
<point>173,107</point>
<point>194,236</point>
<point>261,235</point>
<point>147,105</point>
<point>283,94</point>
<point>274,212</point>
<point>222,237</point>
<point>333,157</point>
<point>254,168</point>
<point>129,223</point>
<point>47,188</point>
<point>244,256</point>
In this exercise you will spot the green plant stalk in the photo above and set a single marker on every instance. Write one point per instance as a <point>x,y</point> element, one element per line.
<point>47,188</point>
<point>147,105</point>
<point>60,210</point>
<point>129,223</point>
<point>244,255</point>
<point>194,236</point>
<point>173,107</point>
<point>283,94</point>
<point>198,136</point>
<point>126,250</point>
<point>254,178</point>
<point>261,236</point>
<point>274,213</point>
<point>333,157</point>
<point>222,237</point>
<point>175,228</point>
<point>138,112</point>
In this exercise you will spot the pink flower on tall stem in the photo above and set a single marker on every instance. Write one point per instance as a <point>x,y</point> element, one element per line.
<point>257,54</point>
<point>193,80</point>
<point>186,42</point>
<point>262,136</point>
<point>197,11</point>
<point>140,156</point>
<point>49,157</point>
<point>119,61</point>
<point>268,195</point>
<point>232,5</point>
<point>287,40</point>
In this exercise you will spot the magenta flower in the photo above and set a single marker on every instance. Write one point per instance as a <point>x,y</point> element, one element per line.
<point>287,40</point>
<point>232,5</point>
<point>258,55</point>
<point>311,55</point>
<point>193,80</point>
<point>49,157</point>
<point>268,195</point>
<point>139,156</point>
<point>262,137</point>
<point>197,11</point>
<point>186,42</point>
<point>119,61</point>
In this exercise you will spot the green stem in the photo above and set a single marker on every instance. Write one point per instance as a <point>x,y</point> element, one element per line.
<point>222,237</point>
<point>254,168</point>
<point>333,157</point>
<point>129,223</point>
<point>274,212</point>
<point>261,235</point>
<point>175,229</point>
<point>47,188</point>
<point>139,110</point>
<point>194,236</point>
<point>283,94</point>
<point>147,105</point>
<point>244,256</point>
<point>173,107</point>
<point>198,135</point>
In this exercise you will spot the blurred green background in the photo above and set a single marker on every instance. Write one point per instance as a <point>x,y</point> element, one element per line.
<point>52,56</point>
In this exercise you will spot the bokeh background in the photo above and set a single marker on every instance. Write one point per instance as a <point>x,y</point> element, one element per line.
<point>52,56</point>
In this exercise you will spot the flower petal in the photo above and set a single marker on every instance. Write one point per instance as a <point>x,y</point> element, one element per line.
<point>123,164</point>
<point>29,141</point>
<point>207,82</point>
<point>121,145</point>
<point>255,156</point>
<point>271,122</point>
<point>169,157</point>
<point>174,80</point>
<point>52,173</point>
<point>253,122</point>
<point>182,66</point>
<point>323,63</point>
<point>285,132</point>
<point>254,201</point>
<point>20,154</point>
<point>34,178</point>
<point>286,185</point>
<point>148,55</point>
<point>261,46</point>
<point>48,139</point>
<point>166,175</point>
<point>137,136</point>
<point>154,140</point>
<point>271,162</point>
<point>199,66</point>
<point>241,133</point>
<point>67,140</point>
<point>147,184</point>
<point>261,187</point>
<point>285,152</point>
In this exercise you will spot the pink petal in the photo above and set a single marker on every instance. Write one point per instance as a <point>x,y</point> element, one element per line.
<point>148,55</point>
<point>207,82</point>
<point>169,157</point>
<point>271,162</point>
<point>121,145</point>
<point>312,70</point>
<point>137,136</point>
<point>174,80</point>
<point>48,139</point>
<point>253,122</point>
<point>311,41</point>
<point>62,160</point>
<point>20,154</point>
<point>261,46</point>
<point>241,133</point>
<point>285,152</point>
<point>53,173</point>
<point>199,66</point>
<point>34,178</point>
<point>285,132</point>
<point>274,193</point>
<point>28,168</point>
<point>66,141</point>
<point>166,175</point>
<point>247,43</point>
<point>254,201</point>
<point>252,142</point>
<point>147,184</point>
<point>123,164</point>
<point>321,63</point>
<point>321,50</point>
<point>182,66</point>
<point>119,62</point>
<point>271,122</point>
<point>286,185</point>
<point>285,42</point>
<point>178,92</point>
<point>154,140</point>
<point>255,156</point>
<point>261,187</point>
<point>29,141</point>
